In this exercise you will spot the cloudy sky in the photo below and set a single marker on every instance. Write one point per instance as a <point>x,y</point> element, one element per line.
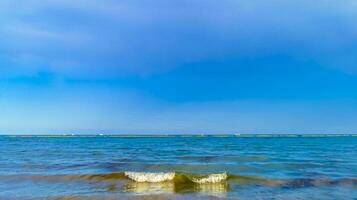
<point>178,66</point>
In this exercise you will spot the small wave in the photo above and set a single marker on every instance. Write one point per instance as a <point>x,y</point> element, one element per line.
<point>150,177</point>
<point>177,177</point>
<point>211,178</point>
<point>183,179</point>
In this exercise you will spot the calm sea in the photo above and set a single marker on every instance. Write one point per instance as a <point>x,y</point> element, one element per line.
<point>178,167</point>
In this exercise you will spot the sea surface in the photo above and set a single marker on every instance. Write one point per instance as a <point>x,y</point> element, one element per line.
<point>178,167</point>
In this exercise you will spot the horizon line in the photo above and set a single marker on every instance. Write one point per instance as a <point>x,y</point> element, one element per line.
<point>188,135</point>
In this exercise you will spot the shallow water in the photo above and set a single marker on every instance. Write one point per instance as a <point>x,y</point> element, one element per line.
<point>178,167</point>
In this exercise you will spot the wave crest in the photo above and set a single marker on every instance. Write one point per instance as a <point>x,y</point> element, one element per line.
<point>211,178</point>
<point>150,177</point>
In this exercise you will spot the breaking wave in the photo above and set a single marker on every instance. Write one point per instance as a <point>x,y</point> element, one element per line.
<point>150,177</point>
<point>211,178</point>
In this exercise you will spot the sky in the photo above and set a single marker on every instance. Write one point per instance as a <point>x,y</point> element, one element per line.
<point>178,66</point>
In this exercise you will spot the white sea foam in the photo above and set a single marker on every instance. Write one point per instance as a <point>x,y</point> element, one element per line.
<point>212,178</point>
<point>150,177</point>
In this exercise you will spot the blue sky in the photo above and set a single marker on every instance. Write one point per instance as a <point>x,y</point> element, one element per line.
<point>179,66</point>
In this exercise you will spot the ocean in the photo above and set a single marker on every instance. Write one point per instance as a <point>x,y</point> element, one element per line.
<point>178,167</point>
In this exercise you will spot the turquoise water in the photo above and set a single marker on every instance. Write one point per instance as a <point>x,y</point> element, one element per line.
<point>178,167</point>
